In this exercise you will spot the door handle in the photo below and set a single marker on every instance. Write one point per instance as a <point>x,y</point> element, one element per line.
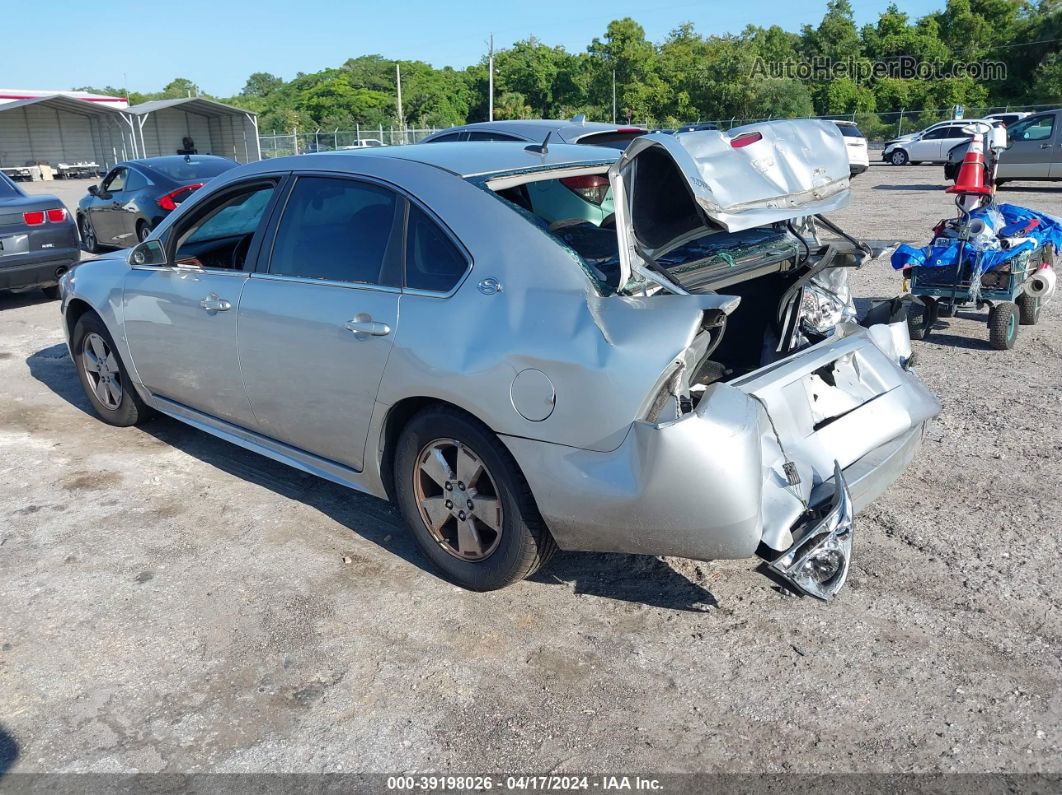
<point>1045,146</point>
<point>213,304</point>
<point>364,324</point>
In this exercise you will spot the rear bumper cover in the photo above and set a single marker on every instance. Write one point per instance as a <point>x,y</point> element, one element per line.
<point>711,485</point>
<point>39,268</point>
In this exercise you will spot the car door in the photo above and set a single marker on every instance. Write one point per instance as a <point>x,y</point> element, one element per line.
<point>950,136</point>
<point>1030,149</point>
<point>927,147</point>
<point>317,320</point>
<point>107,205</point>
<point>180,318</point>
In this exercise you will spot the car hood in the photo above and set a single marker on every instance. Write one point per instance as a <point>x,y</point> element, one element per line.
<point>671,189</point>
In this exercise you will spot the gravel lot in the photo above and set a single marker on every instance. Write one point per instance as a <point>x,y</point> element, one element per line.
<point>169,602</point>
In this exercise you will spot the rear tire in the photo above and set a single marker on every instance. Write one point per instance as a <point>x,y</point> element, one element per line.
<point>103,375</point>
<point>1003,326</point>
<point>1028,309</point>
<point>435,454</point>
<point>143,229</point>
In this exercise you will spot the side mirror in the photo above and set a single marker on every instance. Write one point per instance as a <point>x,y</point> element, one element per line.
<point>150,252</point>
<point>94,190</point>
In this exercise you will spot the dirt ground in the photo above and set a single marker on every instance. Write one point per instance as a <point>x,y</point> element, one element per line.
<point>169,602</point>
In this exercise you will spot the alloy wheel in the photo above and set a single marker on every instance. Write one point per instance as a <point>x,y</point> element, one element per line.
<point>101,369</point>
<point>458,499</point>
<point>88,234</point>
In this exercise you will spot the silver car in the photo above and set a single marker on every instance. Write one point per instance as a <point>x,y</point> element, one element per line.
<point>685,377</point>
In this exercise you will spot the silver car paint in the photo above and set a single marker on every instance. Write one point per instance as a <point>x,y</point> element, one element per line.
<point>706,485</point>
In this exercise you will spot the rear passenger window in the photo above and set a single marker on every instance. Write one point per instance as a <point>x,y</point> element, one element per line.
<point>433,262</point>
<point>335,229</point>
<point>476,135</point>
<point>135,181</point>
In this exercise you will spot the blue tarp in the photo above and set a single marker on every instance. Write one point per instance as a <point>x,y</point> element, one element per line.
<point>1014,219</point>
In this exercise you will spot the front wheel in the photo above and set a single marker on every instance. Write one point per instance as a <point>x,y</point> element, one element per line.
<point>1003,326</point>
<point>921,317</point>
<point>898,158</point>
<point>88,235</point>
<point>468,506</point>
<point>103,375</point>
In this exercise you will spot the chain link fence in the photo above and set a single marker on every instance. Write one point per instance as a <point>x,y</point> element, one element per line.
<point>296,142</point>
<point>878,127</point>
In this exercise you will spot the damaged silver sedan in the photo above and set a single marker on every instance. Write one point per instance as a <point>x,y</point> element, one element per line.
<point>531,346</point>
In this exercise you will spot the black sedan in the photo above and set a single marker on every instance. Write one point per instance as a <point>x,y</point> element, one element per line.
<point>38,240</point>
<point>136,195</point>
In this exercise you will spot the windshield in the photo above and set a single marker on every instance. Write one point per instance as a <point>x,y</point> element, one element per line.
<point>189,169</point>
<point>614,139</point>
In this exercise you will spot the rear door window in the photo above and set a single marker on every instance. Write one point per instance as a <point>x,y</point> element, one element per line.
<point>480,135</point>
<point>433,262</point>
<point>339,230</point>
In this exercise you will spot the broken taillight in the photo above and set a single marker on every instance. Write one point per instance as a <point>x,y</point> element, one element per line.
<point>170,200</point>
<point>745,139</point>
<point>589,187</point>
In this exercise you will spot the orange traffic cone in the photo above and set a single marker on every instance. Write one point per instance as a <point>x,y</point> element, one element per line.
<point>971,177</point>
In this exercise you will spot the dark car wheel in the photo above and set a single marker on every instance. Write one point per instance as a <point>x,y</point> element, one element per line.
<point>921,317</point>
<point>466,502</point>
<point>898,158</point>
<point>1003,326</point>
<point>103,375</point>
<point>143,229</point>
<point>88,235</point>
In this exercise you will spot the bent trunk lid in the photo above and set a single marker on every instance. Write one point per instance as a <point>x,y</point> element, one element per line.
<point>671,189</point>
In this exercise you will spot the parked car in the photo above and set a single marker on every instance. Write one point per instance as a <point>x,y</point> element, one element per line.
<point>575,131</point>
<point>931,145</point>
<point>363,143</point>
<point>38,240</point>
<point>856,146</point>
<point>1007,118</point>
<point>684,379</point>
<point>1033,153</point>
<point>136,195</point>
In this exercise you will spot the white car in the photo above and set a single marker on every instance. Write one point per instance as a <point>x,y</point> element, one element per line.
<point>931,145</point>
<point>856,146</point>
<point>1008,117</point>
<point>364,143</point>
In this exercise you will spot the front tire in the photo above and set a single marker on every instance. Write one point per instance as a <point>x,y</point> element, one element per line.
<point>1003,326</point>
<point>898,158</point>
<point>468,506</point>
<point>920,322</point>
<point>103,375</point>
<point>88,235</point>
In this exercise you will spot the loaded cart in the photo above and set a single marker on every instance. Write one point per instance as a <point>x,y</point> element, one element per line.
<point>997,255</point>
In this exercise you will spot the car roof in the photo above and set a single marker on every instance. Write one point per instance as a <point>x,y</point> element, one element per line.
<point>167,159</point>
<point>470,158</point>
<point>536,129</point>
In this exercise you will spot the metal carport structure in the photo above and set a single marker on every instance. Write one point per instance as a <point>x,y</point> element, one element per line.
<point>216,128</point>
<point>60,129</point>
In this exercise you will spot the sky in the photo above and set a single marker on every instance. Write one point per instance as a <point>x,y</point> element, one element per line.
<point>218,43</point>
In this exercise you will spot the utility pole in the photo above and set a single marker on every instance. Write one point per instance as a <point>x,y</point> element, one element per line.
<point>398,84</point>
<point>613,96</point>
<point>490,81</point>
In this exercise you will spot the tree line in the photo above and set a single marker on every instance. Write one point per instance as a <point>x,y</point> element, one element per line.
<point>688,76</point>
